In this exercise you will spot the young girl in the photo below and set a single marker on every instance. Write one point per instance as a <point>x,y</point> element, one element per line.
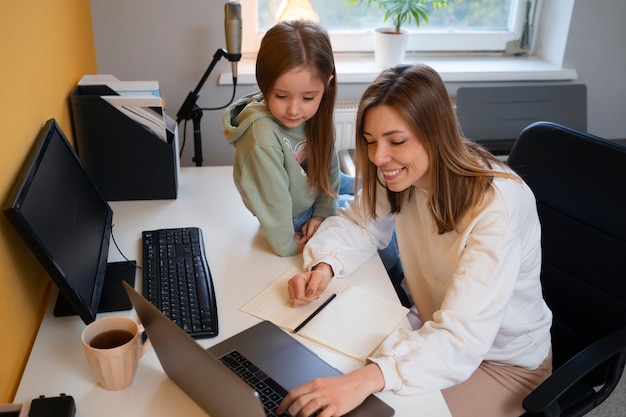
<point>286,167</point>
<point>470,245</point>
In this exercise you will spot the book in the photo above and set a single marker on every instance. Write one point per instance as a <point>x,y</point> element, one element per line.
<point>354,323</point>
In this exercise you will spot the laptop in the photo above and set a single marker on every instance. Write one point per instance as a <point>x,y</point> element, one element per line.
<point>216,388</point>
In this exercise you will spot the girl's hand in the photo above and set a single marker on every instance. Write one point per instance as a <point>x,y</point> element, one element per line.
<point>300,242</point>
<point>334,396</point>
<point>307,231</point>
<point>308,286</point>
<point>310,227</point>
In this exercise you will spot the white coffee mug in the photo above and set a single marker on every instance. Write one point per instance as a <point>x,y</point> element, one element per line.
<point>113,347</point>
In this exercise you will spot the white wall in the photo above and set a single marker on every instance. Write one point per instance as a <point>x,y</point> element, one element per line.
<point>174,41</point>
<point>595,47</point>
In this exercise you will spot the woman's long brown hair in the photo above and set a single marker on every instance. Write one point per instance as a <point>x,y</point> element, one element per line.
<point>303,44</point>
<point>460,170</point>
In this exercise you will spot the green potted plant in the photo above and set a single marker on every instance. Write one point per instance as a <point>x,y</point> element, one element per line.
<point>390,43</point>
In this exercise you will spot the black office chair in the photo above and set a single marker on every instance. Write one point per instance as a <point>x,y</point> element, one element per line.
<point>579,182</point>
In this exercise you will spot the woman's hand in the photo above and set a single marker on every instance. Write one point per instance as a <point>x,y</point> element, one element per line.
<point>334,396</point>
<point>308,286</point>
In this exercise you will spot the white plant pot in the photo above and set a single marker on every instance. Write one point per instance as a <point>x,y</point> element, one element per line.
<point>389,47</point>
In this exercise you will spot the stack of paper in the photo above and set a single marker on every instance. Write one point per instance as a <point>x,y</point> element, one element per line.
<point>354,323</point>
<point>123,88</point>
<point>139,100</point>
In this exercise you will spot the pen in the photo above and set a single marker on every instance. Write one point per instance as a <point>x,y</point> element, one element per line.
<point>315,313</point>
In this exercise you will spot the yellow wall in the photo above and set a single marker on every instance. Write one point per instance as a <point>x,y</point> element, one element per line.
<point>45,47</point>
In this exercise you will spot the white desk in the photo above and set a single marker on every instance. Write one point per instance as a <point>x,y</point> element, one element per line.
<point>241,264</point>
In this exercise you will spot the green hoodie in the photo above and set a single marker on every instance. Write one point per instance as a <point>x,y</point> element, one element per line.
<point>272,183</point>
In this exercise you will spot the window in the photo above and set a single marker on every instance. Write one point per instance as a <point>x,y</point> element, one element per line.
<point>466,25</point>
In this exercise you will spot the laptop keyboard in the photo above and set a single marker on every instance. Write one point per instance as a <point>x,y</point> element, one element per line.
<point>270,392</point>
<point>177,279</point>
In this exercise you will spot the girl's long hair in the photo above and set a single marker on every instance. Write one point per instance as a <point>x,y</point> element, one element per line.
<point>303,44</point>
<point>460,170</point>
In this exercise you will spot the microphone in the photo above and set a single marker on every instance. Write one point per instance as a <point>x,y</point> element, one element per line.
<point>232,28</point>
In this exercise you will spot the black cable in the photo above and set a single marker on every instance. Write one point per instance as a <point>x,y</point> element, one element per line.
<point>120,251</point>
<point>182,146</point>
<point>232,98</point>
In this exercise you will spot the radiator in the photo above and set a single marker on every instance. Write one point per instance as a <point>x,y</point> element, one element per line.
<point>345,118</point>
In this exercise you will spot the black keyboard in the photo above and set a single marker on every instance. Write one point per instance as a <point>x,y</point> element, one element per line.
<point>270,392</point>
<point>177,279</point>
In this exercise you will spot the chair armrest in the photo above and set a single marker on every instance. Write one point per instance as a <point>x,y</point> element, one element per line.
<point>346,162</point>
<point>545,395</point>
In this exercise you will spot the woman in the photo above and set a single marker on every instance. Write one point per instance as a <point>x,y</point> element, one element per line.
<point>469,241</point>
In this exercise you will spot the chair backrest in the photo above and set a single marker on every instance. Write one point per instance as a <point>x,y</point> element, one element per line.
<point>579,181</point>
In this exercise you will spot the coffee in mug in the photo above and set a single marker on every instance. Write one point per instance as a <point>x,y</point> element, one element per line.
<point>113,347</point>
<point>111,339</point>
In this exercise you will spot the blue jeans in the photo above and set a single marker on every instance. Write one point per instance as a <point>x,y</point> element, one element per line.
<point>346,192</point>
<point>301,219</point>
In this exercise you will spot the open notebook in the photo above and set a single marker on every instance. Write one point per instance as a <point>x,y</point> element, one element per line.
<point>354,323</point>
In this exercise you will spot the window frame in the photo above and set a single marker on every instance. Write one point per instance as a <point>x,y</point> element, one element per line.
<point>424,40</point>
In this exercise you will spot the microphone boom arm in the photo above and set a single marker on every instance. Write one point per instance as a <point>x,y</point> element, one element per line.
<point>186,110</point>
<point>189,109</point>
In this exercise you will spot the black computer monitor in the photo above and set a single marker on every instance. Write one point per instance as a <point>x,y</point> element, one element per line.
<point>62,216</point>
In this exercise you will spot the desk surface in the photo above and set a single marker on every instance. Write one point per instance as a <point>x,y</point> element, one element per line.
<point>241,264</point>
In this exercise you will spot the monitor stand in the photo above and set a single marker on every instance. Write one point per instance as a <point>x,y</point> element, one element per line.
<point>113,297</point>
